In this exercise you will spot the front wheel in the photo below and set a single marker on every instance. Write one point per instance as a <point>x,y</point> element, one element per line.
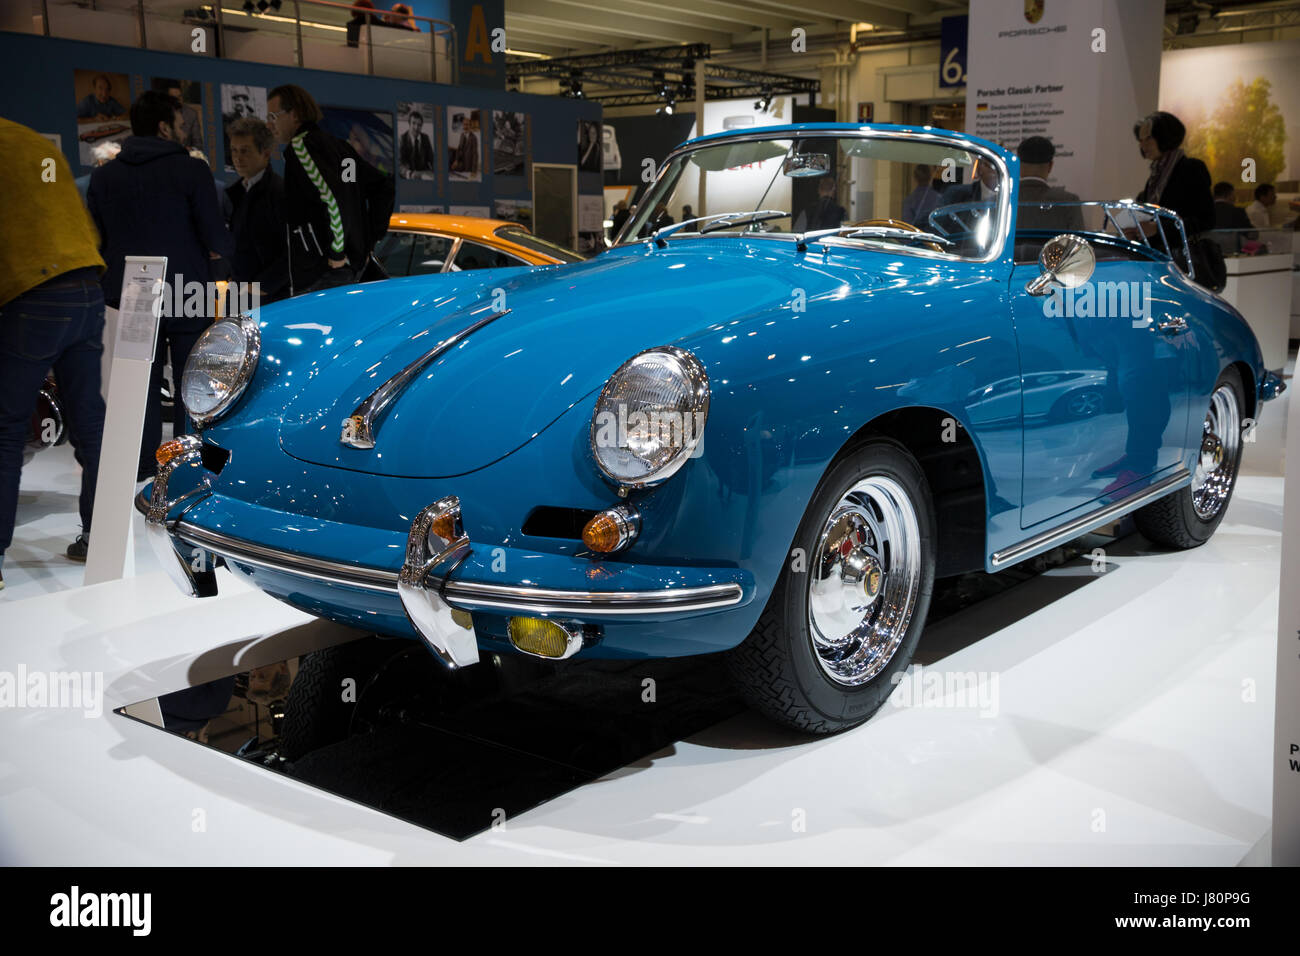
<point>1187,518</point>
<point>849,607</point>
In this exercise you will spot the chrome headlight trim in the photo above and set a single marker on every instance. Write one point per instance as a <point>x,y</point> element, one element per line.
<point>697,381</point>
<point>252,353</point>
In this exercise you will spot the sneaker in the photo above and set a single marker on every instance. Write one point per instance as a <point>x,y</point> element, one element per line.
<point>77,550</point>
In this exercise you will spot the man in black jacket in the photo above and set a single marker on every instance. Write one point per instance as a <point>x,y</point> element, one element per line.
<point>336,204</point>
<point>257,211</point>
<point>157,200</point>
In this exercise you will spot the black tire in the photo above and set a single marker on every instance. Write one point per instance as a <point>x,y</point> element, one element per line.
<point>315,713</point>
<point>1173,521</point>
<point>777,668</point>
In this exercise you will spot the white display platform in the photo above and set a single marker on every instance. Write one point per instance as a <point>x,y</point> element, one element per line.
<point>1134,726</point>
<point>1259,287</point>
<point>1121,704</point>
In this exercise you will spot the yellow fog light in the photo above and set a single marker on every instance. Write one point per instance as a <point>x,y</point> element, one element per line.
<point>543,638</point>
<point>611,530</point>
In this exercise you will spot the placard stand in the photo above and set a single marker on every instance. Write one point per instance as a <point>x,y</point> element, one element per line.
<point>1286,728</point>
<point>112,554</point>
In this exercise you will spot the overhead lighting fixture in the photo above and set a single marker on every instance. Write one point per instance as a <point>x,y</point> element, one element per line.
<point>764,100</point>
<point>263,5</point>
<point>575,84</point>
<point>249,7</point>
<point>660,86</point>
<point>668,107</point>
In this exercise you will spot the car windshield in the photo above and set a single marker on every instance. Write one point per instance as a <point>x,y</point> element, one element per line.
<point>903,191</point>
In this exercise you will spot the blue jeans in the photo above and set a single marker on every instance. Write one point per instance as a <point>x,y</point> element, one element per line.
<point>58,325</point>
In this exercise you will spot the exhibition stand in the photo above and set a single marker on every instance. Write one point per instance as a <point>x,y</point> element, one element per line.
<point>1259,287</point>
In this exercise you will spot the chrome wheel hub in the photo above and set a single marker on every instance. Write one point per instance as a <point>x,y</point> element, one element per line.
<point>1217,461</point>
<point>864,575</point>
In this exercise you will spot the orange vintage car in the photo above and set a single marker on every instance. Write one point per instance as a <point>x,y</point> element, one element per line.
<point>421,243</point>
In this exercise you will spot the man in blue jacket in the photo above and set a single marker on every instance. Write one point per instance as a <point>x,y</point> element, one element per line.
<point>157,200</point>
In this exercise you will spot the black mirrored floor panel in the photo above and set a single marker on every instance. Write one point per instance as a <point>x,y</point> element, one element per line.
<point>382,722</point>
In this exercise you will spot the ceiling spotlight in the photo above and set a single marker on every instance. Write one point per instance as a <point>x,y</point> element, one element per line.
<point>575,84</point>
<point>764,100</point>
<point>667,108</point>
<point>249,7</point>
<point>275,4</point>
<point>263,5</point>
<point>660,86</point>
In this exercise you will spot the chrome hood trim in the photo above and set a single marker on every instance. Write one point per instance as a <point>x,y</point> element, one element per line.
<point>359,428</point>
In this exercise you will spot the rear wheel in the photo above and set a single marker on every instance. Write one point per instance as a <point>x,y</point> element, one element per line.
<point>1187,518</point>
<point>849,607</point>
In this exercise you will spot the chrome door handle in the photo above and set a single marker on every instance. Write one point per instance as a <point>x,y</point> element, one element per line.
<point>1172,324</point>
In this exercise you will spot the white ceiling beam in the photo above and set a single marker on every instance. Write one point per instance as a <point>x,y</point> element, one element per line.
<point>849,11</point>
<point>642,27</point>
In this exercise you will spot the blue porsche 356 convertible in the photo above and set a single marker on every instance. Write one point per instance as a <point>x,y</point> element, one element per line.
<point>764,431</point>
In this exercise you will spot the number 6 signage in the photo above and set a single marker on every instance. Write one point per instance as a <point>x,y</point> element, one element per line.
<point>952,51</point>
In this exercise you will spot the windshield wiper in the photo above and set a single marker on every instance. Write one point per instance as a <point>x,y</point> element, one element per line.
<point>870,232</point>
<point>723,219</point>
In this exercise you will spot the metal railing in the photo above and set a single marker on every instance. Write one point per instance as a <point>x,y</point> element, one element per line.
<point>316,33</point>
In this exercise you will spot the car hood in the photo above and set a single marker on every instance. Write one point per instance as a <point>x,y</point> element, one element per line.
<point>562,333</point>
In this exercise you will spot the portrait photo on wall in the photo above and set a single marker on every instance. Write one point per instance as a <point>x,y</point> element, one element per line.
<point>239,102</point>
<point>508,142</point>
<point>590,145</point>
<point>103,105</point>
<point>190,93</point>
<point>369,132</point>
<point>464,144</point>
<point>415,132</point>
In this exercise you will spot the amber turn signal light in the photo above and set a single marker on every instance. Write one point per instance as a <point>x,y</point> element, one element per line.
<point>169,450</point>
<point>444,527</point>
<point>611,530</point>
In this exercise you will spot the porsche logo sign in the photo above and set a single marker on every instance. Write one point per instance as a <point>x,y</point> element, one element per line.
<point>1034,10</point>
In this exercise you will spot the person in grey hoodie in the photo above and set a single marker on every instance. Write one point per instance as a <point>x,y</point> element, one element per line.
<point>157,200</point>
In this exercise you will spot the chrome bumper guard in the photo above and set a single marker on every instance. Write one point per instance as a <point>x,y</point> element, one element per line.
<point>436,545</point>
<point>195,583</point>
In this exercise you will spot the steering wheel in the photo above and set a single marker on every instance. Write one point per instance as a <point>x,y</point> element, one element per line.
<point>898,224</point>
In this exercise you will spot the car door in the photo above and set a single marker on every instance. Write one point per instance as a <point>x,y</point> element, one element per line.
<point>1103,385</point>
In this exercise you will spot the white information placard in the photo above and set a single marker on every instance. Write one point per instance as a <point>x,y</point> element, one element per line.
<point>591,213</point>
<point>111,553</point>
<point>1079,73</point>
<point>137,321</point>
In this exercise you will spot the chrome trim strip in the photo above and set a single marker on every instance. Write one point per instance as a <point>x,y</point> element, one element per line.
<point>245,552</point>
<point>864,132</point>
<point>1085,523</point>
<point>476,596</point>
<point>359,428</point>
<point>469,595</point>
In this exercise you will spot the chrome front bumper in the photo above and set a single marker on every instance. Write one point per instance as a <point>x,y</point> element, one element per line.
<point>436,606</point>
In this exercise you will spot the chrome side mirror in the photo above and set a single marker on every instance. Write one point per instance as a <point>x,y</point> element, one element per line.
<point>1066,261</point>
<point>804,165</point>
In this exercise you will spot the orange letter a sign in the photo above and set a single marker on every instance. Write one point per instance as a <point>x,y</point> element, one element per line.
<point>477,41</point>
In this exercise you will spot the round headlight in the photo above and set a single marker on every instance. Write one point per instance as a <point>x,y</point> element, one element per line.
<point>650,416</point>
<point>220,367</point>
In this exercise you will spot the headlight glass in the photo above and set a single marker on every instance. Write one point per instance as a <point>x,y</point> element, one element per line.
<point>650,416</point>
<point>220,367</point>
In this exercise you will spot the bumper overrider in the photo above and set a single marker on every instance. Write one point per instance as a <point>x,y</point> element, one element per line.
<point>437,605</point>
